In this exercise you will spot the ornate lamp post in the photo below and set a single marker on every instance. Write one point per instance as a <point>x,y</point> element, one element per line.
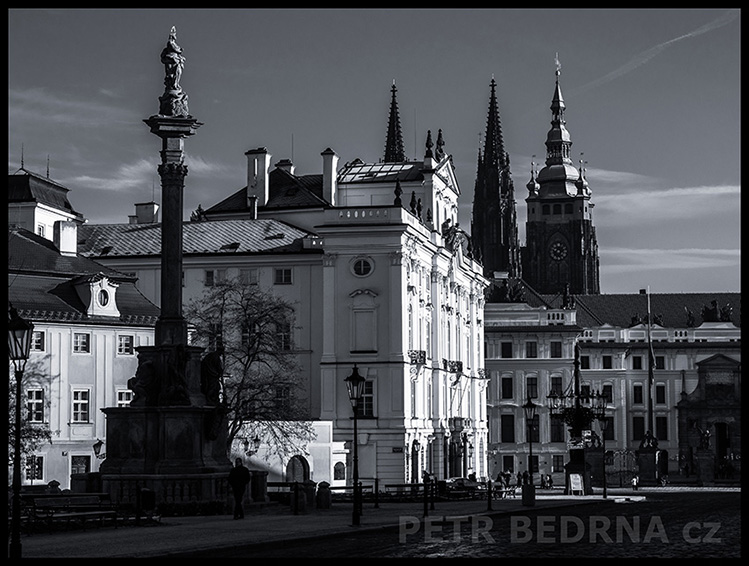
<point>529,491</point>
<point>599,410</point>
<point>355,387</point>
<point>570,407</point>
<point>19,346</point>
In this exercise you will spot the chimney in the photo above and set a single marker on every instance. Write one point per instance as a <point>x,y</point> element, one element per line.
<point>329,169</point>
<point>145,213</point>
<point>66,237</point>
<point>252,203</point>
<point>286,165</point>
<point>258,161</point>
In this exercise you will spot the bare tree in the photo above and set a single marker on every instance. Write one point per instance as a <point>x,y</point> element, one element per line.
<point>33,434</point>
<point>262,389</point>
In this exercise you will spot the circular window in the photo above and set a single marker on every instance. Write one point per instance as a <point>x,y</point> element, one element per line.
<point>362,267</point>
<point>103,297</point>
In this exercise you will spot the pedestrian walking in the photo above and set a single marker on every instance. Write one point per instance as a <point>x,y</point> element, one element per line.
<point>635,482</point>
<point>520,480</point>
<point>549,481</point>
<point>239,477</point>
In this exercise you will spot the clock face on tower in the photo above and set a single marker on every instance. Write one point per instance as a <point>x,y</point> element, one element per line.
<point>558,251</point>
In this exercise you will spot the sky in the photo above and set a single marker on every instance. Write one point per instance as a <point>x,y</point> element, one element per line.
<point>652,97</point>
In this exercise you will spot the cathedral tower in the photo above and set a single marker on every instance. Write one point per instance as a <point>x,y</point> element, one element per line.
<point>560,248</point>
<point>494,231</point>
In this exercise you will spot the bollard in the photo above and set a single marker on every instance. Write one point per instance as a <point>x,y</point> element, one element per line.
<point>489,495</point>
<point>426,496</point>
<point>432,493</point>
<point>377,493</point>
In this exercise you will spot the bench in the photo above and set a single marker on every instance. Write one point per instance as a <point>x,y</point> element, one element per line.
<point>503,492</point>
<point>71,508</point>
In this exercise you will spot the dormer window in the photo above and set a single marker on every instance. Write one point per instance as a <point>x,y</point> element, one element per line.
<point>98,293</point>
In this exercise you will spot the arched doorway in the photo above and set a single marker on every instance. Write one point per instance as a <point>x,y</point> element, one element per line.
<point>297,469</point>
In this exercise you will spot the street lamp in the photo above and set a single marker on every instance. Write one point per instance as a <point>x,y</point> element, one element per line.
<point>529,491</point>
<point>97,449</point>
<point>599,411</point>
<point>355,387</point>
<point>530,414</point>
<point>569,406</point>
<point>19,345</point>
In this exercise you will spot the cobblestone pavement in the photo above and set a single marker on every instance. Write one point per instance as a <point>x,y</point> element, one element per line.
<point>665,525</point>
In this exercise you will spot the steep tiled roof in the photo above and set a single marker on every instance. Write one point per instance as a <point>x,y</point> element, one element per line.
<point>25,186</point>
<point>207,237</point>
<point>619,309</point>
<point>28,252</point>
<point>286,191</point>
<point>41,284</point>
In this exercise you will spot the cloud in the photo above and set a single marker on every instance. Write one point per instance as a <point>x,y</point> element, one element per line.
<point>628,260</point>
<point>633,207</point>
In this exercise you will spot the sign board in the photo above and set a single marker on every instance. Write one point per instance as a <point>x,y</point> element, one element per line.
<point>576,484</point>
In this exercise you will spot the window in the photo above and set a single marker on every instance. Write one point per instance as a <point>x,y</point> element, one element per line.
<point>545,209</point>
<point>638,428</point>
<point>584,362</point>
<point>80,464</point>
<point>532,429</point>
<point>506,349</point>
<point>608,393</point>
<point>568,208</point>
<point>661,428</point>
<point>660,394</point>
<point>124,396</point>
<point>556,349</point>
<point>366,407</point>
<point>531,350</point>
<point>362,267</point>
<point>637,394</point>
<point>556,428</point>
<point>531,387</point>
<point>40,230</point>
<point>508,463</point>
<point>282,401</point>
<point>37,341</point>
<point>557,208</point>
<point>607,362</point>
<point>608,434</point>
<point>214,277</point>
<point>660,362</point>
<point>507,428</point>
<point>282,276</point>
<point>283,335</point>
<point>557,463</point>
<point>507,388</point>
<point>339,471</point>
<point>81,343</point>
<point>125,345</point>
<point>556,384</point>
<point>248,276</point>
<point>215,335</point>
<point>585,390</point>
<point>35,405</point>
<point>636,362</point>
<point>34,469</point>
<point>80,406</point>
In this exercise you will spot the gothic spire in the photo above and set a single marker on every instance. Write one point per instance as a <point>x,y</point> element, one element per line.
<point>494,146</point>
<point>394,151</point>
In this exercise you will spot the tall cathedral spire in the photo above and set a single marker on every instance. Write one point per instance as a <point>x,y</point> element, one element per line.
<point>494,230</point>
<point>394,151</point>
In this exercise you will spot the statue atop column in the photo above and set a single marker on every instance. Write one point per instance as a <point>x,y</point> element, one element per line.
<point>174,101</point>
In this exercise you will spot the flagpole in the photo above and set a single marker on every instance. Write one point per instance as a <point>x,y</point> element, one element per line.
<point>651,363</point>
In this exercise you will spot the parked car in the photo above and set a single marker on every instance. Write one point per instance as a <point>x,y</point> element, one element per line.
<point>464,486</point>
